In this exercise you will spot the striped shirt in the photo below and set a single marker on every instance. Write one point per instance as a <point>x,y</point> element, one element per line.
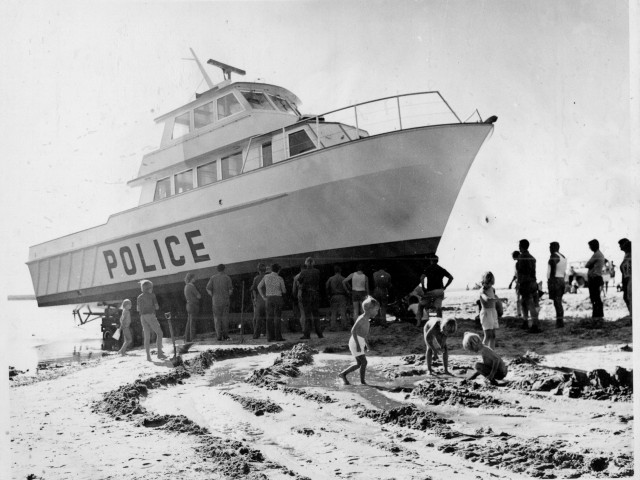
<point>272,285</point>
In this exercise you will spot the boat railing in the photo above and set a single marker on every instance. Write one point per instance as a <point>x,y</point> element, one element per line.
<point>366,119</point>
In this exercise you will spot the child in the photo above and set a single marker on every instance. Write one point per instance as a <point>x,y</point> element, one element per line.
<point>492,366</point>
<point>436,332</point>
<point>125,323</point>
<point>147,305</point>
<point>358,339</point>
<point>488,312</point>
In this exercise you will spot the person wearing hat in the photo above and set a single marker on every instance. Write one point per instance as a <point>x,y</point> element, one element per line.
<point>556,270</point>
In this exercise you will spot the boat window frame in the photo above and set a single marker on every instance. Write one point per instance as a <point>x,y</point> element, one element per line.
<point>242,107</point>
<point>175,185</point>
<point>288,108</point>
<point>213,114</point>
<point>155,191</point>
<point>262,146</point>
<point>223,158</point>
<point>288,145</point>
<point>217,169</point>
<point>266,97</point>
<point>189,126</point>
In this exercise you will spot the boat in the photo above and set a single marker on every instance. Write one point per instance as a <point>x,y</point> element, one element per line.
<point>242,176</point>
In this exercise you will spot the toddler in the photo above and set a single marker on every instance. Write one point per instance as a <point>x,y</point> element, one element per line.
<point>488,311</point>
<point>358,339</point>
<point>492,366</point>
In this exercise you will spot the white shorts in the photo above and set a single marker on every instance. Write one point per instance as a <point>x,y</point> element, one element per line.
<point>489,319</point>
<point>352,346</point>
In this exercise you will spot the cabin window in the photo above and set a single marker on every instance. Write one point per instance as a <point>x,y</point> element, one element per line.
<point>203,115</point>
<point>231,165</point>
<point>228,105</point>
<point>207,173</point>
<point>267,156</point>
<point>281,103</point>
<point>299,142</point>
<point>184,181</point>
<point>163,189</point>
<point>181,125</point>
<point>258,100</point>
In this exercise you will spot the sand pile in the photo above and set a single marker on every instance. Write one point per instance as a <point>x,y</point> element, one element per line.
<point>256,406</point>
<point>409,416</point>
<point>597,384</point>
<point>436,393</point>
<point>537,459</point>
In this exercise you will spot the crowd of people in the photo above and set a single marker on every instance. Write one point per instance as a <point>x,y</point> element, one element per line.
<point>369,303</point>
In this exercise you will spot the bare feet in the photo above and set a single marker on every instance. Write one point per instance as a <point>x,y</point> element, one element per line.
<point>363,383</point>
<point>344,379</point>
<point>149,359</point>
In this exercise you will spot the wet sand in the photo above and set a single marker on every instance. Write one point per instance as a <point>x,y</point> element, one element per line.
<point>255,411</point>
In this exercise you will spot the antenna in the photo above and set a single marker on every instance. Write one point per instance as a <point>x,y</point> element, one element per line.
<point>202,70</point>
<point>226,69</point>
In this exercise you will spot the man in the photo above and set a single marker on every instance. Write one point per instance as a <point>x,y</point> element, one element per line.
<point>337,299</point>
<point>309,286</point>
<point>528,285</point>
<point>272,290</point>
<point>381,285</point>
<point>432,287</point>
<point>220,289</point>
<point>298,310</point>
<point>625,271</point>
<point>259,306</point>
<point>594,278</point>
<point>556,270</point>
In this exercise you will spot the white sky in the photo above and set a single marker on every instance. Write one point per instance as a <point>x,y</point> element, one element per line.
<point>82,81</point>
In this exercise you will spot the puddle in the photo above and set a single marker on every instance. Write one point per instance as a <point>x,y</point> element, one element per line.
<point>225,373</point>
<point>323,374</point>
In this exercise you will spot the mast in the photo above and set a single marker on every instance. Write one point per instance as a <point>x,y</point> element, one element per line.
<point>202,70</point>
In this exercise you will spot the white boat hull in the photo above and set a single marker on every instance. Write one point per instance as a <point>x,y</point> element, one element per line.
<point>386,197</point>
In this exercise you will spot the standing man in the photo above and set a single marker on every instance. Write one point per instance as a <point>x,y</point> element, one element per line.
<point>259,306</point>
<point>337,299</point>
<point>594,278</point>
<point>298,309</point>
<point>625,271</point>
<point>271,288</point>
<point>220,289</point>
<point>309,286</point>
<point>192,296</point>
<point>526,271</point>
<point>381,285</point>
<point>556,270</point>
<point>432,287</point>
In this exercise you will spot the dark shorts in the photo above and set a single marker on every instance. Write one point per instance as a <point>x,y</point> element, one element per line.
<point>556,287</point>
<point>358,296</point>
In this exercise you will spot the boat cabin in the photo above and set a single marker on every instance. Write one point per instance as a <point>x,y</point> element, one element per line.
<point>228,130</point>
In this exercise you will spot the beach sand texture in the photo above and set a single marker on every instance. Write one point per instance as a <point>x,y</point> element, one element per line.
<point>255,411</point>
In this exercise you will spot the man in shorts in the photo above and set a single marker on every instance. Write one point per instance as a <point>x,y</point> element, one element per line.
<point>147,304</point>
<point>433,287</point>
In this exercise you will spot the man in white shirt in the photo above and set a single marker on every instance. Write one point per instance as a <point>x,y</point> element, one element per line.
<point>556,270</point>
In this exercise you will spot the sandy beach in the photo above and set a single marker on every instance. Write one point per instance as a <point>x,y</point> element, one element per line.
<point>245,409</point>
